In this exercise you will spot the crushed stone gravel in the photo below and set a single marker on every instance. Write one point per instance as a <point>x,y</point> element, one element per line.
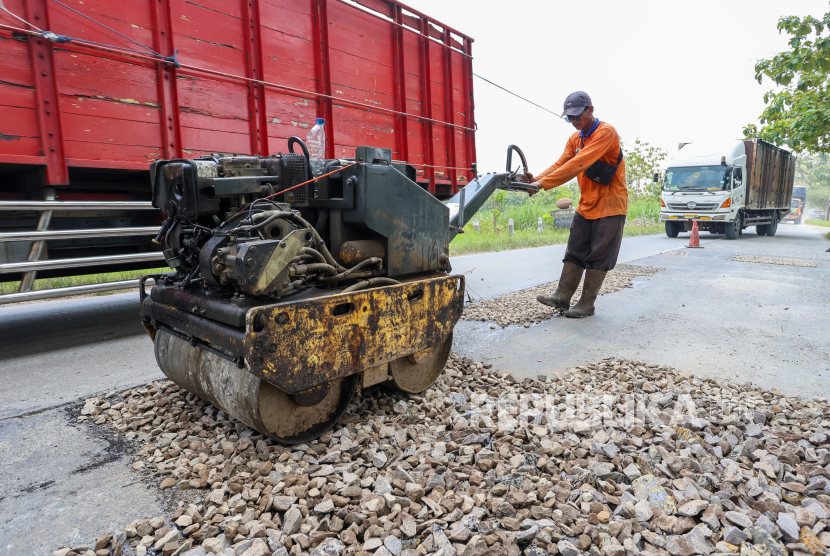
<point>772,260</point>
<point>521,307</point>
<point>610,459</point>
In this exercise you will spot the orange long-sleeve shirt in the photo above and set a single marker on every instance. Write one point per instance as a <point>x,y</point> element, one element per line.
<point>596,200</point>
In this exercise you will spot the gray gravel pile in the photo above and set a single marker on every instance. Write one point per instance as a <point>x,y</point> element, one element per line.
<point>521,307</point>
<point>675,252</point>
<point>612,459</point>
<point>772,260</point>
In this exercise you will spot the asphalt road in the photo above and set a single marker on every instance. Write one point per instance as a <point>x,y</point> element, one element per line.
<point>65,482</point>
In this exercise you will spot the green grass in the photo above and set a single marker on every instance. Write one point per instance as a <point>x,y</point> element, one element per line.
<point>644,208</point>
<point>643,219</point>
<point>823,223</point>
<point>484,242</point>
<point>48,283</point>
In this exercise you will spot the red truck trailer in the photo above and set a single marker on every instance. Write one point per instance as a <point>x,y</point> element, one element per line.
<point>92,92</point>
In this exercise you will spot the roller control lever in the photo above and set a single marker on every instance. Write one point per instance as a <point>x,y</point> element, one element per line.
<point>515,177</point>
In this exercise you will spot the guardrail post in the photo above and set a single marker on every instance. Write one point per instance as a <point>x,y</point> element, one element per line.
<point>37,246</point>
<point>476,225</point>
<point>510,226</point>
<point>540,225</point>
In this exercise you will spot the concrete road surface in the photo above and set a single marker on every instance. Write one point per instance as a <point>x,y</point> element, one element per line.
<point>703,314</point>
<point>66,482</point>
<point>59,351</point>
<point>493,274</point>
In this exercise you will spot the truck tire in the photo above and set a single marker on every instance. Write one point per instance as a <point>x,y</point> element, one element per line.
<point>772,227</point>
<point>672,229</point>
<point>733,230</point>
<point>798,220</point>
<point>761,229</point>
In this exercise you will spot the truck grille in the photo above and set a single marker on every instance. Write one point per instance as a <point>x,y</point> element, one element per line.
<point>692,206</point>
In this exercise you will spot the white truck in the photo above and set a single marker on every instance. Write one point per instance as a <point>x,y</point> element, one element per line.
<point>727,186</point>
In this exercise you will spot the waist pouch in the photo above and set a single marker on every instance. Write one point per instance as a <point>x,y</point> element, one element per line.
<point>602,172</point>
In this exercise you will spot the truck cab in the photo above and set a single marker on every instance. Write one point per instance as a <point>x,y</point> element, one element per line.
<point>726,187</point>
<point>704,182</point>
<point>796,213</point>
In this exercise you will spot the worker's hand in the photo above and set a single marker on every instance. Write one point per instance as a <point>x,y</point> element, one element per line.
<point>531,192</point>
<point>527,177</point>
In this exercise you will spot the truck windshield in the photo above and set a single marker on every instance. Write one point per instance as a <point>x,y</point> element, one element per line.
<point>794,204</point>
<point>698,178</point>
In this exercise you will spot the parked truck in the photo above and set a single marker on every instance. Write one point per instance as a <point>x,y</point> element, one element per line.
<point>726,187</point>
<point>86,109</point>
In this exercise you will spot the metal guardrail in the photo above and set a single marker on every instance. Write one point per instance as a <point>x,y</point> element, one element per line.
<point>75,205</point>
<point>42,234</point>
<point>77,234</point>
<point>84,261</point>
<point>71,290</point>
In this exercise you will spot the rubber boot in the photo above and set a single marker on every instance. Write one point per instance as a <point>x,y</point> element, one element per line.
<point>561,299</point>
<point>590,291</point>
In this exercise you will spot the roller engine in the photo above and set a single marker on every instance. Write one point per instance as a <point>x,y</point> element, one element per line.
<point>290,293</point>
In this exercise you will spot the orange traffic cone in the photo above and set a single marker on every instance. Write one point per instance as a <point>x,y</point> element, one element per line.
<point>694,240</point>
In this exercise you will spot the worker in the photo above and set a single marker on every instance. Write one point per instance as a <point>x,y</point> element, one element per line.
<point>594,157</point>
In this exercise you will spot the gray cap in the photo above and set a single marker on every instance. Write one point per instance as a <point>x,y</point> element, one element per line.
<point>576,103</point>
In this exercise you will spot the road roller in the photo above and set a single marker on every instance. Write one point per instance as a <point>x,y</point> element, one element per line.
<point>288,293</point>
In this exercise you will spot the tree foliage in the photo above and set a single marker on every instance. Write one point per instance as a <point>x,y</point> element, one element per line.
<point>641,162</point>
<point>813,171</point>
<point>798,113</point>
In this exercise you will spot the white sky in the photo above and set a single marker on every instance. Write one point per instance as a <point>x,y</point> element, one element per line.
<point>666,71</point>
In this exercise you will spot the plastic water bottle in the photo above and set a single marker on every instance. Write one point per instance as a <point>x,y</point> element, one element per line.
<point>316,143</point>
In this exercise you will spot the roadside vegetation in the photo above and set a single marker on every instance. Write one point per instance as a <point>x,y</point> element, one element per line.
<point>796,112</point>
<point>48,283</point>
<point>483,242</point>
<point>822,223</point>
<point>641,162</point>
<point>525,212</point>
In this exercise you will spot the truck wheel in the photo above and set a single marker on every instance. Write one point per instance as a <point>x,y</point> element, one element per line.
<point>772,227</point>
<point>762,229</point>
<point>798,220</point>
<point>733,230</point>
<point>672,229</point>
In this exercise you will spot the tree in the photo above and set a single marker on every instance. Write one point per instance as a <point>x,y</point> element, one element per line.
<point>496,205</point>
<point>641,162</point>
<point>798,114</point>
<point>813,171</point>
